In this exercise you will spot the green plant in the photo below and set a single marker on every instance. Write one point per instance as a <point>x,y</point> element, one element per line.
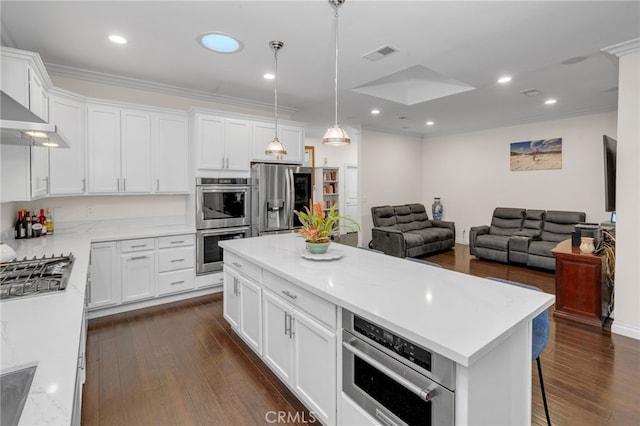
<point>317,226</point>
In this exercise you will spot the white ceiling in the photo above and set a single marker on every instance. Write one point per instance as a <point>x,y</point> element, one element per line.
<point>472,43</point>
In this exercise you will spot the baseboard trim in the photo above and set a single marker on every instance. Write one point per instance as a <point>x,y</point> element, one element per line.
<point>627,330</point>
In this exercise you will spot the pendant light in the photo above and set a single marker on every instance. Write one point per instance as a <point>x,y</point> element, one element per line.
<point>276,148</point>
<point>336,135</point>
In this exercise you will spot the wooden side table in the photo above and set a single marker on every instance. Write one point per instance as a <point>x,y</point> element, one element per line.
<point>579,278</point>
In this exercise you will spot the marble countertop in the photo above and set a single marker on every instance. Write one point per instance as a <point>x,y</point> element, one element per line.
<point>459,316</point>
<point>46,329</point>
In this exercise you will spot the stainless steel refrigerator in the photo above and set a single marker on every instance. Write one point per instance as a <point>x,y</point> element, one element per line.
<point>276,191</point>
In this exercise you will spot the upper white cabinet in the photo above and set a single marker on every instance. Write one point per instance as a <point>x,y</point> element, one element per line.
<point>291,136</point>
<point>25,79</point>
<point>170,135</point>
<point>222,143</point>
<point>39,171</point>
<point>119,144</point>
<point>67,171</point>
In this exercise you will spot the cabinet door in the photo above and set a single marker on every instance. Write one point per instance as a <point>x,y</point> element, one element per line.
<point>135,151</point>
<point>138,275</point>
<point>315,366</point>
<point>103,143</point>
<point>171,144</point>
<point>278,343</point>
<point>37,97</point>
<point>105,283</point>
<point>15,79</point>
<point>262,135</point>
<point>210,142</point>
<point>251,314</point>
<point>67,166</point>
<point>293,139</point>
<point>15,173</point>
<point>237,144</point>
<point>231,299</point>
<point>39,171</point>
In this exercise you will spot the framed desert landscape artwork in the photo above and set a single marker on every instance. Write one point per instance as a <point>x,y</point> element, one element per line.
<point>542,154</point>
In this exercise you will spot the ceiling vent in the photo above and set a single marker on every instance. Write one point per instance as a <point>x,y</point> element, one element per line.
<point>380,53</point>
<point>531,92</point>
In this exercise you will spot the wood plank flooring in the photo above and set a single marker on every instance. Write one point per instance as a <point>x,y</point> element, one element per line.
<point>180,364</point>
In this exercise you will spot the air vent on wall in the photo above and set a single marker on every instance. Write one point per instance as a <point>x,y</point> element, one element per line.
<point>531,92</point>
<point>380,53</point>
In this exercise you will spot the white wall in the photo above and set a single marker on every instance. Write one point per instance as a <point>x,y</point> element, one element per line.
<point>627,286</point>
<point>390,173</point>
<point>471,171</point>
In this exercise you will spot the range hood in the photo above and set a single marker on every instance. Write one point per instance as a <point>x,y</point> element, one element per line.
<point>22,127</point>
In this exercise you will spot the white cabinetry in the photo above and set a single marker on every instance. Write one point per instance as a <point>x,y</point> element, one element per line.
<point>291,136</point>
<point>119,144</point>
<point>242,305</point>
<point>299,346</point>
<point>39,171</point>
<point>24,78</point>
<point>222,143</point>
<point>15,173</point>
<point>170,135</point>
<point>176,262</point>
<point>67,171</point>
<point>138,272</point>
<point>105,284</point>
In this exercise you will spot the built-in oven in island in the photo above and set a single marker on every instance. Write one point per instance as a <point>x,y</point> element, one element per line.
<point>393,379</point>
<point>222,213</point>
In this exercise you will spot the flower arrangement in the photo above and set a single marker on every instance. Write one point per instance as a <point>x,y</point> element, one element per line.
<point>317,226</point>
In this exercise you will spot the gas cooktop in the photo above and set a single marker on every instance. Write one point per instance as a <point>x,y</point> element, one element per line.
<point>32,277</point>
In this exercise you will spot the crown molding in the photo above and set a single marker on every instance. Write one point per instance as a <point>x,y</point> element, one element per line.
<point>134,83</point>
<point>624,48</point>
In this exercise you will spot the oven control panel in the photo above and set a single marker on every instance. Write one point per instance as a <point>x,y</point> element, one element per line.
<point>401,346</point>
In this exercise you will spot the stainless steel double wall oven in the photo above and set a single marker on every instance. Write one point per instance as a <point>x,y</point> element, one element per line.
<point>222,213</point>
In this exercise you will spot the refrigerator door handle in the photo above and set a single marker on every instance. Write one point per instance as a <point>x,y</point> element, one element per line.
<point>289,207</point>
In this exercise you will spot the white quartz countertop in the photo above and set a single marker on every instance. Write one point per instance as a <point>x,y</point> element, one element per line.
<point>459,316</point>
<point>46,329</point>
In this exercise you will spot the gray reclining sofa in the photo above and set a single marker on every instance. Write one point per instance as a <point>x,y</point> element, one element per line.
<point>523,236</point>
<point>407,231</point>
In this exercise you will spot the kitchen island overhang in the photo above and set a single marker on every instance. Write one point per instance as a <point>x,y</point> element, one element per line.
<point>482,325</point>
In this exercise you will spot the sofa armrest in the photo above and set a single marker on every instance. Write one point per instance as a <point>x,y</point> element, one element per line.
<point>474,232</point>
<point>444,224</point>
<point>388,240</point>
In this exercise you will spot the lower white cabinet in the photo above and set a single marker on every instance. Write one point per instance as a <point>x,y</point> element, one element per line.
<point>105,284</point>
<point>138,275</point>
<point>302,352</point>
<point>242,306</point>
<point>140,269</point>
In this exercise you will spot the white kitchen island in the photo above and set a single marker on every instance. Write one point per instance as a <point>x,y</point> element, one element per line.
<point>483,326</point>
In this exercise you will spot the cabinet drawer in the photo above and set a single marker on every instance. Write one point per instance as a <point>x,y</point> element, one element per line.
<point>176,241</point>
<point>243,266</point>
<point>322,309</point>
<point>175,281</point>
<point>174,259</point>
<point>127,246</point>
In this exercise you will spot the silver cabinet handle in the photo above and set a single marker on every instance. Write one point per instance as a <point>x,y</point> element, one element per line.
<point>236,264</point>
<point>177,282</point>
<point>286,330</point>
<point>177,242</point>
<point>291,320</point>
<point>177,260</point>
<point>138,257</point>
<point>46,184</point>
<point>124,184</point>
<point>84,184</point>
<point>118,183</point>
<point>138,245</point>
<point>227,162</point>
<point>157,185</point>
<point>288,294</point>
<point>223,162</point>
<point>236,291</point>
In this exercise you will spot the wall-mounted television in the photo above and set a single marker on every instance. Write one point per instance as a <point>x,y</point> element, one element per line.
<point>610,149</point>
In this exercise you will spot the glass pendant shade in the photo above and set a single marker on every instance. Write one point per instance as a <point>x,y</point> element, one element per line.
<point>336,136</point>
<point>275,147</point>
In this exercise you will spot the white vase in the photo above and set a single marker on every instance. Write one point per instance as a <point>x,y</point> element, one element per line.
<point>586,245</point>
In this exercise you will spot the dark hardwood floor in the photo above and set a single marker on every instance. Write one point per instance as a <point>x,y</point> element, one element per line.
<point>180,364</point>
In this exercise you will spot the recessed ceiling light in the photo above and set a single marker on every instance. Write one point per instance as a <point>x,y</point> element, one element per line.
<point>550,101</point>
<point>430,123</point>
<point>504,79</point>
<point>118,39</point>
<point>375,111</point>
<point>221,43</point>
<point>269,76</point>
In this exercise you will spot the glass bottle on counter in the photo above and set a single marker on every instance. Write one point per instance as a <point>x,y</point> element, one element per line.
<point>42,220</point>
<point>20,230</point>
<point>27,222</point>
<point>49,221</point>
